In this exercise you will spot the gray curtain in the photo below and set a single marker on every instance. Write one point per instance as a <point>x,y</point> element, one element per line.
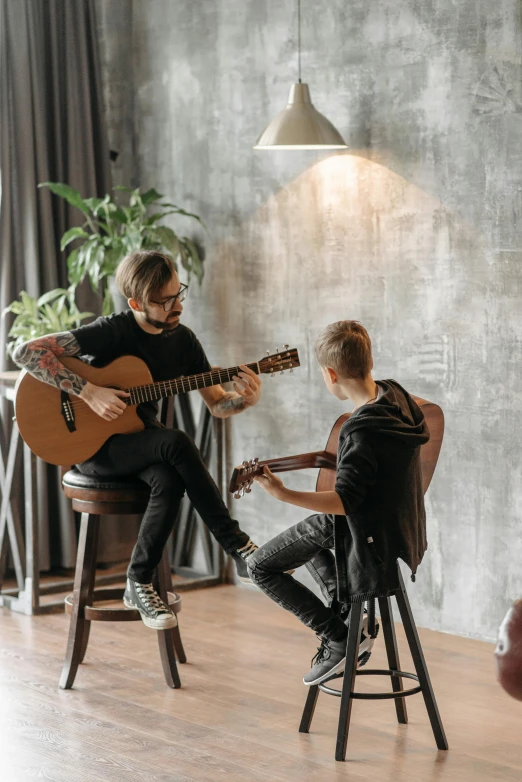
<point>51,129</point>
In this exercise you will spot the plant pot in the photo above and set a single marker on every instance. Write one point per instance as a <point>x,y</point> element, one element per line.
<point>119,300</point>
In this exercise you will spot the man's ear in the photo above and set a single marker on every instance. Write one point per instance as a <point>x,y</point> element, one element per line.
<point>135,305</point>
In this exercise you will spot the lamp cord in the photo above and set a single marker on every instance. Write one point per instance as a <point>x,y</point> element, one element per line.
<point>299,39</point>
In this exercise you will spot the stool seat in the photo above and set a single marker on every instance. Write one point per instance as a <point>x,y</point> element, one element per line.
<point>125,494</point>
<point>74,479</point>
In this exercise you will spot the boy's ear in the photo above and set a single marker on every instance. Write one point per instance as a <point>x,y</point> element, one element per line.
<point>334,377</point>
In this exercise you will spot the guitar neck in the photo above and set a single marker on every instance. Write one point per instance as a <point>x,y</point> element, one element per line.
<point>153,391</point>
<point>302,461</point>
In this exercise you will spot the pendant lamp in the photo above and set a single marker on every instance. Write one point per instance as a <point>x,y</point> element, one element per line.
<point>300,125</point>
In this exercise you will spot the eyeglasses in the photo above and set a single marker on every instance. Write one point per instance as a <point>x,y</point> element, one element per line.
<point>169,303</point>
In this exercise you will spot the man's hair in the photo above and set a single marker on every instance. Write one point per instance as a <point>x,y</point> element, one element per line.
<point>346,347</point>
<point>143,273</point>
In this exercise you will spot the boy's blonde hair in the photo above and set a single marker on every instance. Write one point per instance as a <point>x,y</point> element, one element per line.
<point>143,273</point>
<point>345,347</point>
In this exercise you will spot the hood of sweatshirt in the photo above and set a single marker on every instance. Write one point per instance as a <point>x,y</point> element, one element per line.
<point>395,414</point>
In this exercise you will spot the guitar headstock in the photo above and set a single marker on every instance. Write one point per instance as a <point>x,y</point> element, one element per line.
<point>243,478</point>
<point>288,358</point>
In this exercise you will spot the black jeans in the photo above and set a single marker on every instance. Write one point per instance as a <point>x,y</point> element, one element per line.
<point>308,543</point>
<point>169,462</point>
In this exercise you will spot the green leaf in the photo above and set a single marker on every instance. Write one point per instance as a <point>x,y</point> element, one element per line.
<point>71,234</point>
<point>197,263</point>
<point>93,203</point>
<point>52,317</point>
<point>108,304</point>
<point>116,213</point>
<point>132,240</point>
<point>68,193</point>
<point>29,303</point>
<point>178,210</point>
<point>50,296</point>
<point>168,239</point>
<point>113,257</point>
<point>184,256</point>
<point>150,196</point>
<point>74,265</point>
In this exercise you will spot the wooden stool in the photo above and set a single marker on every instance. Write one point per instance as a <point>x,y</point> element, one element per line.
<point>347,693</point>
<point>95,497</point>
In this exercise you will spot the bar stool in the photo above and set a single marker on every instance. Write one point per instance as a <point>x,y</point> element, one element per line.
<point>429,454</point>
<point>347,693</point>
<point>95,497</point>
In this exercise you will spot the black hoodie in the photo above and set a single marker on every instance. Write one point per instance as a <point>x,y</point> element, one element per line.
<point>379,481</point>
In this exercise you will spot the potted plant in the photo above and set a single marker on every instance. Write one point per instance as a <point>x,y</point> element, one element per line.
<point>111,231</point>
<point>54,311</point>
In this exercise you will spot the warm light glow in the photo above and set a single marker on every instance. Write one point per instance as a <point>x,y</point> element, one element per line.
<point>303,146</point>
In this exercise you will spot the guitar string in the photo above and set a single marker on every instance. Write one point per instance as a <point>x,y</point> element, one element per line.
<point>194,382</point>
<point>217,375</point>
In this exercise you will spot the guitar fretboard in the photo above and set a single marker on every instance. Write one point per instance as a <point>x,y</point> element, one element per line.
<point>163,388</point>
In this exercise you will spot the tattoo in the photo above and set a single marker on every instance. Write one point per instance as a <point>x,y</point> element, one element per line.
<point>230,404</point>
<point>40,357</point>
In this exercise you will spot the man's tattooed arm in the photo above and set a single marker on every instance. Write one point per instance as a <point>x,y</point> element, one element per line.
<point>41,358</point>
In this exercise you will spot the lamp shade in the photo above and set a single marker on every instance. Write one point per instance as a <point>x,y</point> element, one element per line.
<point>300,126</point>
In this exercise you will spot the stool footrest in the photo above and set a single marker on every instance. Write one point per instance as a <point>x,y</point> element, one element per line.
<point>377,696</point>
<point>97,613</point>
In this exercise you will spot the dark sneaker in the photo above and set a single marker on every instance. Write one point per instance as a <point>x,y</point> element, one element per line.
<point>331,657</point>
<point>240,558</point>
<point>153,611</point>
<point>328,662</point>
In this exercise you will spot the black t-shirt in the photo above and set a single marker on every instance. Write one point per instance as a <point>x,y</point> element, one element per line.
<point>168,355</point>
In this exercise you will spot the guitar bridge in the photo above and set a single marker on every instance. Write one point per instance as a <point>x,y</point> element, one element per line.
<point>67,411</point>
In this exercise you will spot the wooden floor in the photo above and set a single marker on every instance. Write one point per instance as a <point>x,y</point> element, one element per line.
<point>237,714</point>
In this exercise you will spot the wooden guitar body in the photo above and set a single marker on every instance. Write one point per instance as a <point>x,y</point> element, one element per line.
<point>40,412</point>
<point>326,460</point>
<point>62,429</point>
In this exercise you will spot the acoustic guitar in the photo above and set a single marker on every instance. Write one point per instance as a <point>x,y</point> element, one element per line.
<point>62,429</point>
<point>243,476</point>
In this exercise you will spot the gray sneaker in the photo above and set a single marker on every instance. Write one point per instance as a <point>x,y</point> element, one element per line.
<point>153,611</point>
<point>330,659</point>
<point>328,662</point>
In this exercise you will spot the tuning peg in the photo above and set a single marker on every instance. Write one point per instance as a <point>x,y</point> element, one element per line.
<point>248,489</point>
<point>267,352</point>
<point>245,463</point>
<point>291,370</point>
<point>255,460</point>
<point>237,495</point>
<point>285,347</point>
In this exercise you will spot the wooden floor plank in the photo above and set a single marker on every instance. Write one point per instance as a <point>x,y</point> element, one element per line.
<point>237,714</point>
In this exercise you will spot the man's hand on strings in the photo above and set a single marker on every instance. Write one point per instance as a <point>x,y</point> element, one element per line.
<point>248,385</point>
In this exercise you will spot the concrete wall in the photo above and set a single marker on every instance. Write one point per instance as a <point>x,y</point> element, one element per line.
<point>414,231</point>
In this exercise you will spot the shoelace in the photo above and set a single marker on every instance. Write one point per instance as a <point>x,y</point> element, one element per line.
<point>323,653</point>
<point>247,550</point>
<point>150,597</point>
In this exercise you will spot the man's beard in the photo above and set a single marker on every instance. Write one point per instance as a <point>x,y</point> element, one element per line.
<point>165,325</point>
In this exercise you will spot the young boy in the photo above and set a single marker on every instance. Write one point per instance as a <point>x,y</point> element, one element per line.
<point>374,515</point>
